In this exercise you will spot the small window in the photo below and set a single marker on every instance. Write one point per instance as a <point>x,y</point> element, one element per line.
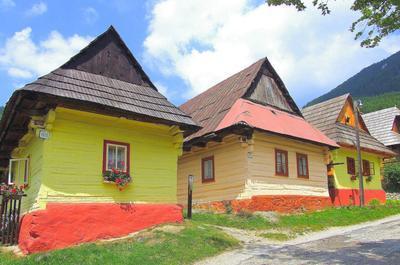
<point>18,171</point>
<point>366,168</point>
<point>115,156</point>
<point>351,166</point>
<point>207,169</point>
<point>281,163</point>
<point>302,165</point>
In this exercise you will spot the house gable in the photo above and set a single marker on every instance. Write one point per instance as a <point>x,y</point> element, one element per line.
<point>268,89</point>
<point>258,83</point>
<point>347,116</point>
<point>267,92</point>
<point>396,124</point>
<point>108,55</point>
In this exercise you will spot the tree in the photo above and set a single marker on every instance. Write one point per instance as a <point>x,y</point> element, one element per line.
<point>378,19</point>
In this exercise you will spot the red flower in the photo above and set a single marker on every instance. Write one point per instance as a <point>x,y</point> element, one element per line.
<point>118,180</point>
<point>14,190</point>
<point>21,187</point>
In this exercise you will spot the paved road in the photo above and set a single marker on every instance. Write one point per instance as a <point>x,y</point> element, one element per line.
<point>374,243</point>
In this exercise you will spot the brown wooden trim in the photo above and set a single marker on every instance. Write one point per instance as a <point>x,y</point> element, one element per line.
<point>298,156</point>
<point>203,180</point>
<point>351,165</point>
<point>366,167</point>
<point>128,157</point>
<point>286,164</point>
<point>369,150</point>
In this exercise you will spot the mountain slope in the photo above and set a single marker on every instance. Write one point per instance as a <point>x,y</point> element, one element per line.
<point>376,79</point>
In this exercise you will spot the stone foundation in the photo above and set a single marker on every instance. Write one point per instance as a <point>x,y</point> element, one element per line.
<point>63,225</point>
<point>278,203</point>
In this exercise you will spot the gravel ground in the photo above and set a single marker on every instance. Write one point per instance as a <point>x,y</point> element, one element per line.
<point>376,242</point>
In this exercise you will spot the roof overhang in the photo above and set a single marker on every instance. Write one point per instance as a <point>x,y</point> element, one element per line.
<point>385,154</point>
<point>25,104</point>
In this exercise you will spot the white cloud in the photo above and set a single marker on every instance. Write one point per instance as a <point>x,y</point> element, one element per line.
<point>23,58</point>
<point>37,9</point>
<point>203,45</point>
<point>91,15</point>
<point>19,73</point>
<point>5,4</point>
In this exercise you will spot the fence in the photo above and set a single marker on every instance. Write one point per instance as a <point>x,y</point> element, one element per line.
<point>10,218</point>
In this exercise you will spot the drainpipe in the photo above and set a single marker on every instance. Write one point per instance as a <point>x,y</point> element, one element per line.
<point>358,103</point>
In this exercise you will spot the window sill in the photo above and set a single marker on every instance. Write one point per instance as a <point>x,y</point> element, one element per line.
<point>112,182</point>
<point>208,181</point>
<point>283,176</point>
<point>303,177</point>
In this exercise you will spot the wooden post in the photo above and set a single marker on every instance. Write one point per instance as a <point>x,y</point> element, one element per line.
<point>359,158</point>
<point>190,192</point>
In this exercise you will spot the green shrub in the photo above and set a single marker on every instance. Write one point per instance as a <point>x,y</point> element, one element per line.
<point>391,182</point>
<point>374,203</point>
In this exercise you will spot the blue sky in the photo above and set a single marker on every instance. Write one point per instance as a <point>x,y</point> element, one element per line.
<point>186,46</point>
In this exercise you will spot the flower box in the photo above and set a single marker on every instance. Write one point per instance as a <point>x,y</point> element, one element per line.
<point>9,190</point>
<point>353,177</point>
<point>119,178</point>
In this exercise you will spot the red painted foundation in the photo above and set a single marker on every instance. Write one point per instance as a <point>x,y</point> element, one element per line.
<point>345,197</point>
<point>62,225</point>
<point>278,203</point>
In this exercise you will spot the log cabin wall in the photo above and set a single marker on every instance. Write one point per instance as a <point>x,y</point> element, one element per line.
<point>244,170</point>
<point>230,171</point>
<point>67,167</point>
<point>261,163</point>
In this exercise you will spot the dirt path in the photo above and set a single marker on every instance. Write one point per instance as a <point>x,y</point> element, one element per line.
<point>376,242</point>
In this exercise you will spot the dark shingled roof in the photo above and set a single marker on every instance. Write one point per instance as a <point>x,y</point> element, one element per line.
<point>103,78</point>
<point>324,116</point>
<point>380,124</point>
<point>105,72</point>
<point>210,107</point>
<point>75,84</point>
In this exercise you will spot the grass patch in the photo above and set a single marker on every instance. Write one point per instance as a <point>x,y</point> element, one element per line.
<point>276,236</point>
<point>305,222</point>
<point>334,217</point>
<point>193,243</point>
<point>247,222</point>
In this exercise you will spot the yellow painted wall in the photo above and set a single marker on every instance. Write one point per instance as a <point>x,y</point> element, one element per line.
<point>33,150</point>
<point>342,178</point>
<point>230,171</point>
<point>262,179</point>
<point>71,160</point>
<point>244,170</point>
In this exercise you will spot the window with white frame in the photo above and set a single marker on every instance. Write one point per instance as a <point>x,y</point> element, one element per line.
<point>116,156</point>
<point>18,171</point>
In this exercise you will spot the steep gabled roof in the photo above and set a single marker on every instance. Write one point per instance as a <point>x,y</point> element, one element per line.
<point>105,73</point>
<point>107,55</point>
<point>115,94</point>
<point>324,116</point>
<point>210,107</point>
<point>380,124</point>
<point>102,78</point>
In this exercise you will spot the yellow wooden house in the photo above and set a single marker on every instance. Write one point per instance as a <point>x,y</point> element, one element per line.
<point>96,146</point>
<point>336,118</point>
<point>255,151</point>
